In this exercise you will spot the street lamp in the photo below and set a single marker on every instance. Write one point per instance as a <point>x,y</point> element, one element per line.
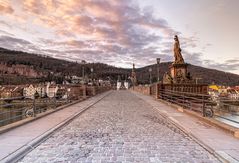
<point>150,75</point>
<point>92,75</point>
<point>83,62</point>
<point>158,62</point>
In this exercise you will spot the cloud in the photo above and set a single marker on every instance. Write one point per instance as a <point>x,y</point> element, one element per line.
<point>117,32</point>
<point>187,42</point>
<point>228,65</point>
<point>5,7</point>
<point>232,61</point>
<point>4,23</point>
<point>193,58</point>
<point>17,44</point>
<point>110,20</point>
<point>5,33</point>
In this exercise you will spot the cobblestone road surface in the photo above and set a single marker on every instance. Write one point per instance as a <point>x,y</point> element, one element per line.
<point>120,128</point>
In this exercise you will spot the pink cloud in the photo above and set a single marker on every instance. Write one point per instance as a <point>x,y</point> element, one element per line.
<point>5,7</point>
<point>94,27</point>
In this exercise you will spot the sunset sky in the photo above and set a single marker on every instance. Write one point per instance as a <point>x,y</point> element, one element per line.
<point>122,32</point>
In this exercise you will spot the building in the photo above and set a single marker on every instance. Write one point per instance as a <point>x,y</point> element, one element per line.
<point>103,82</point>
<point>11,91</point>
<point>20,69</point>
<point>76,80</point>
<point>51,90</point>
<point>126,85</point>
<point>236,88</point>
<point>41,90</point>
<point>233,94</point>
<point>118,86</point>
<point>29,91</point>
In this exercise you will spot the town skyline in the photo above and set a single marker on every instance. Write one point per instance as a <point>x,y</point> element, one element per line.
<point>125,32</point>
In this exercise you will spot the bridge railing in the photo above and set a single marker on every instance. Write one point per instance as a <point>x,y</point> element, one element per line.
<point>197,102</point>
<point>194,97</point>
<point>19,108</point>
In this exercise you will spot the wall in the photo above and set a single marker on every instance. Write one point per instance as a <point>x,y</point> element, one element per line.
<point>22,70</point>
<point>142,89</point>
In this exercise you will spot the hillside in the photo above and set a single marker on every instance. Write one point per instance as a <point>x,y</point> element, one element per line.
<point>205,75</point>
<point>52,69</point>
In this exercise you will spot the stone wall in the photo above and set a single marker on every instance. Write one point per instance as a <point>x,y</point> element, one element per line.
<point>93,90</point>
<point>79,91</point>
<point>142,89</point>
<point>75,91</point>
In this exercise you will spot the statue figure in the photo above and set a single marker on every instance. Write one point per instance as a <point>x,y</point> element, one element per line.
<point>177,52</point>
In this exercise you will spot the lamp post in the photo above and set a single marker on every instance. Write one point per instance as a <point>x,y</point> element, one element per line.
<point>83,70</point>
<point>92,75</point>
<point>158,62</point>
<point>150,75</point>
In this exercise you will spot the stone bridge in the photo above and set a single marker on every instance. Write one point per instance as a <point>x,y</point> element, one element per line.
<point>118,127</point>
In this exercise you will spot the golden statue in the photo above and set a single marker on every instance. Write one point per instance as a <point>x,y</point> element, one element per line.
<point>177,52</point>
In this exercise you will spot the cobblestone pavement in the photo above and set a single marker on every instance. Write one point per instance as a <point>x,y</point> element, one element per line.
<point>120,128</point>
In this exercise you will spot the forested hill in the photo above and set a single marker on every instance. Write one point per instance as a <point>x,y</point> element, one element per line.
<point>56,69</point>
<point>51,68</point>
<point>204,75</point>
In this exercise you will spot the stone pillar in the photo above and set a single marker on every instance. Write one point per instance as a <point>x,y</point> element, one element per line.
<point>84,91</point>
<point>93,90</point>
<point>157,91</point>
<point>148,90</point>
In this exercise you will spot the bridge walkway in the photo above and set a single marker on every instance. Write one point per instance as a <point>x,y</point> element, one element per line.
<point>123,127</point>
<point>215,139</point>
<point>118,126</point>
<point>16,141</point>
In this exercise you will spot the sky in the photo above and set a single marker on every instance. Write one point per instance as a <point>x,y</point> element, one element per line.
<point>122,32</point>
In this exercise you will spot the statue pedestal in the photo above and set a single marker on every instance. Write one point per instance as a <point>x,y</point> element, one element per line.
<point>178,71</point>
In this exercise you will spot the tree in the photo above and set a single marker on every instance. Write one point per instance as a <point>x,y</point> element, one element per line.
<point>36,95</point>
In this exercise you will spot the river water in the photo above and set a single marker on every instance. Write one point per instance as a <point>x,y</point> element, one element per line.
<point>232,120</point>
